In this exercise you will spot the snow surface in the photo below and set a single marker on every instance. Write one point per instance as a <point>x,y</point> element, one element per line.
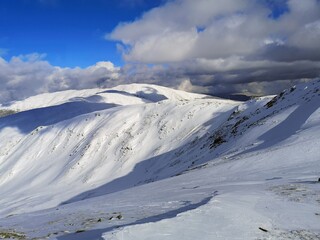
<point>147,162</point>
<point>120,95</point>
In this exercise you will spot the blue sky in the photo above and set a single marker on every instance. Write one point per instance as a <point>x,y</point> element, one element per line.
<point>70,32</point>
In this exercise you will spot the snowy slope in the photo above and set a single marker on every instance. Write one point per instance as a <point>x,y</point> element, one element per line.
<point>83,144</point>
<point>169,165</point>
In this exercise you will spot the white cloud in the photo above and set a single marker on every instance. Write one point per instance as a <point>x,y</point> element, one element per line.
<point>173,30</point>
<point>186,29</point>
<point>24,76</point>
<point>170,47</point>
<point>308,36</point>
<point>219,44</point>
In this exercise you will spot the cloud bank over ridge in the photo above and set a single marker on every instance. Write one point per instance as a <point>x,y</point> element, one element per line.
<point>227,46</point>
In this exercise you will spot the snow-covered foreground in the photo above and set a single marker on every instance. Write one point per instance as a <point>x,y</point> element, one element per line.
<point>146,162</point>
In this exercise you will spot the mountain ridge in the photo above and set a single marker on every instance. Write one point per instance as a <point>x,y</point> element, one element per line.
<point>192,146</point>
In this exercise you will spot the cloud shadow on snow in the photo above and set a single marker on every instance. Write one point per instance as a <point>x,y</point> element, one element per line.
<point>29,120</point>
<point>148,94</point>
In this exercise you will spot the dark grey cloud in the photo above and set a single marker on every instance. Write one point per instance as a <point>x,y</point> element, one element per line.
<point>225,77</point>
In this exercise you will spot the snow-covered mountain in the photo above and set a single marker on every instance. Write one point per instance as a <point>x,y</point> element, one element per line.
<point>147,162</point>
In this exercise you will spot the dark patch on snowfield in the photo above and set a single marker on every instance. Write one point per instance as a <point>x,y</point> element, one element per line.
<point>97,233</point>
<point>297,192</point>
<point>218,140</point>
<point>6,112</point>
<point>239,122</point>
<point>274,178</point>
<point>292,234</point>
<point>263,229</point>
<point>309,182</point>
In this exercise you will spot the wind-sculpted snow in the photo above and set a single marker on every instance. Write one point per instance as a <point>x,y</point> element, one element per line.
<point>146,162</point>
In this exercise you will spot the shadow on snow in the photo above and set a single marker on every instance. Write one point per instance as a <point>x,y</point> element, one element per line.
<point>29,120</point>
<point>288,127</point>
<point>96,234</point>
